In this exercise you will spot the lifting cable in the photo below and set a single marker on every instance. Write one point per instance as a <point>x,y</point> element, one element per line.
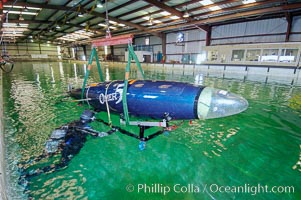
<point>131,55</point>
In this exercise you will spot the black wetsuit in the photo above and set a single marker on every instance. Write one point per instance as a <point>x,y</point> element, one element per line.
<point>76,136</point>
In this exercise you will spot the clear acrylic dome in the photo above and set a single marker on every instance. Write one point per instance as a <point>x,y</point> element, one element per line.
<point>215,103</point>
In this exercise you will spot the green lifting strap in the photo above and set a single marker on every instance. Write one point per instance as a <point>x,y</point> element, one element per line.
<point>131,49</point>
<point>93,54</point>
<point>131,55</point>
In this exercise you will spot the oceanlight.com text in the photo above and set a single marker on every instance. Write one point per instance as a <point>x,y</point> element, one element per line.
<point>164,189</point>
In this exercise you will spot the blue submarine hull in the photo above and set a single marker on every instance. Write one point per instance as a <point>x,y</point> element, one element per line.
<point>156,99</point>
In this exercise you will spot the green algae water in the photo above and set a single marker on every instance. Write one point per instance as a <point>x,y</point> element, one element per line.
<point>252,155</point>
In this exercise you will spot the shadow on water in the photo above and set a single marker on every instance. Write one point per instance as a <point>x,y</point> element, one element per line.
<point>259,147</point>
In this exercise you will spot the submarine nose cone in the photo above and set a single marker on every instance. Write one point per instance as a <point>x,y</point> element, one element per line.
<point>215,103</point>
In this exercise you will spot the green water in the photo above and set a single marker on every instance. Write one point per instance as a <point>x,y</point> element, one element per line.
<point>240,157</point>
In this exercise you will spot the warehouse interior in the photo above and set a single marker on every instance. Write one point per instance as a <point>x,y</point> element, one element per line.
<point>180,30</point>
<point>249,47</point>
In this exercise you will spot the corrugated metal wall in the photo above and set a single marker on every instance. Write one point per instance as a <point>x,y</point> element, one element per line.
<point>260,31</point>
<point>270,30</point>
<point>30,48</point>
<point>296,29</point>
<point>193,42</point>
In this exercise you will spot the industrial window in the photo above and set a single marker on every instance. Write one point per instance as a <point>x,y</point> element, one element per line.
<point>253,55</point>
<point>288,55</point>
<point>270,55</point>
<point>238,55</point>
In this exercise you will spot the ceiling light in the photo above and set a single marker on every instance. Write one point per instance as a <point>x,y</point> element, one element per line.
<point>186,14</point>
<point>248,1</point>
<point>165,13</point>
<point>206,2</point>
<point>11,25</point>
<point>174,17</point>
<point>112,22</point>
<point>21,7</point>
<point>18,12</point>
<point>214,8</point>
<point>150,22</point>
<point>18,30</point>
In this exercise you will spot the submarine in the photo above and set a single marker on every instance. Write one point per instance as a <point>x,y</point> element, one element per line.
<point>156,99</point>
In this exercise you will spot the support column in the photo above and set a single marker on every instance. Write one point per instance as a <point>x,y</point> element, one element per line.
<point>207,29</point>
<point>208,36</point>
<point>288,17</point>
<point>85,51</point>
<point>112,52</point>
<point>163,37</point>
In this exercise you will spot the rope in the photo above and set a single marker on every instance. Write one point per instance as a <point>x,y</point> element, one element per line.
<point>107,105</point>
<point>108,32</point>
<point>125,87</point>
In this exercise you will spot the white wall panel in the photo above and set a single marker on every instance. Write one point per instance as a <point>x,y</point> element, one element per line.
<point>157,48</point>
<point>171,37</point>
<point>193,47</point>
<point>155,40</point>
<point>190,35</point>
<point>269,26</point>
<point>195,35</point>
<point>255,39</point>
<point>173,49</point>
<point>240,32</point>
<point>139,41</point>
<point>296,24</point>
<point>295,38</point>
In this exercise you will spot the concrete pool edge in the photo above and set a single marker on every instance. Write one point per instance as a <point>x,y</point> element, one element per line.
<point>3,194</point>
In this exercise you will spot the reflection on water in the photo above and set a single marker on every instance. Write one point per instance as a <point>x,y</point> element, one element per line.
<point>260,145</point>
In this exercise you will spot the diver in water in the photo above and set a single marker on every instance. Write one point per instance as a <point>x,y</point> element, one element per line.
<point>4,60</point>
<point>67,140</point>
